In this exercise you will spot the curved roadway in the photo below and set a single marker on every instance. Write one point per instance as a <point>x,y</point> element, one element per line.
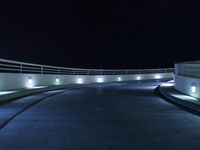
<point>115,116</point>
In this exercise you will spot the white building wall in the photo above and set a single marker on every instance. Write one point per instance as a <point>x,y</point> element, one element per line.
<point>184,84</point>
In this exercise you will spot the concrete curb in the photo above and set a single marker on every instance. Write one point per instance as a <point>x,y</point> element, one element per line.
<point>186,105</point>
<point>27,92</point>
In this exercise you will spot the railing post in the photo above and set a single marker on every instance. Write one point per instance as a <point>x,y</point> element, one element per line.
<point>139,72</point>
<point>58,70</point>
<point>42,69</point>
<point>21,68</point>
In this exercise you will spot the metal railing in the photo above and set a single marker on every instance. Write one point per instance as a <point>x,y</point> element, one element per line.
<point>9,66</point>
<point>189,70</point>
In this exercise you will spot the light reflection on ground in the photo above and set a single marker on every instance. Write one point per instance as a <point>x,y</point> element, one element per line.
<point>37,87</point>
<point>184,97</point>
<point>6,92</point>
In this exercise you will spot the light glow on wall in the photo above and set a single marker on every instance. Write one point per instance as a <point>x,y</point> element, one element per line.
<point>157,76</point>
<point>57,81</point>
<point>100,79</point>
<point>119,79</point>
<point>79,80</point>
<point>193,89</point>
<point>138,78</point>
<point>29,83</point>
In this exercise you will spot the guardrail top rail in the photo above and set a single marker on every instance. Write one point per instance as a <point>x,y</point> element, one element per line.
<point>189,69</point>
<point>10,66</point>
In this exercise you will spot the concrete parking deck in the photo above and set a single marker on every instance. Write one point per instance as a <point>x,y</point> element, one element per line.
<point>111,116</point>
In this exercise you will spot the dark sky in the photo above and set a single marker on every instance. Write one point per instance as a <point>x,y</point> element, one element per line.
<point>101,34</point>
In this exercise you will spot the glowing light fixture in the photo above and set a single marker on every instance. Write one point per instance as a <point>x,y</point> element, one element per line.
<point>193,88</point>
<point>138,78</point>
<point>157,76</point>
<point>79,80</point>
<point>100,79</point>
<point>57,81</point>
<point>119,79</point>
<point>30,82</point>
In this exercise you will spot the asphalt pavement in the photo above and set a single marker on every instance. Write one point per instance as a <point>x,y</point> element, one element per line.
<point>111,116</point>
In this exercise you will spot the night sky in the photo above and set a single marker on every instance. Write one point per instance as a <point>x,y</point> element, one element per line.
<point>101,34</point>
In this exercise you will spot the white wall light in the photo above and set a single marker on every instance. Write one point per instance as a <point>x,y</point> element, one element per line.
<point>138,78</point>
<point>100,79</point>
<point>57,81</point>
<point>79,80</point>
<point>157,76</point>
<point>30,82</point>
<point>193,88</point>
<point>119,79</point>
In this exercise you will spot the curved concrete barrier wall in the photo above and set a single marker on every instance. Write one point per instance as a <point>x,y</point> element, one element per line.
<point>11,81</point>
<point>17,75</point>
<point>184,84</point>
